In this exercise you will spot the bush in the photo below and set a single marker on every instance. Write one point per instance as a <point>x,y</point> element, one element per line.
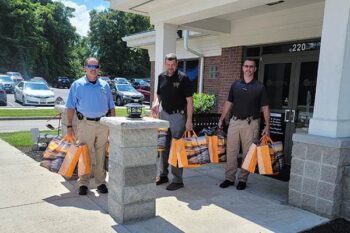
<point>203,103</point>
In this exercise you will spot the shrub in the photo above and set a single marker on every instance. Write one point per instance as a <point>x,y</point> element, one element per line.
<point>203,103</point>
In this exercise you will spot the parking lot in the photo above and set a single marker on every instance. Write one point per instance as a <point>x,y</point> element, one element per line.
<point>11,103</point>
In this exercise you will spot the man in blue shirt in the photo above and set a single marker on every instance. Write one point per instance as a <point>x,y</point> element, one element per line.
<point>91,98</point>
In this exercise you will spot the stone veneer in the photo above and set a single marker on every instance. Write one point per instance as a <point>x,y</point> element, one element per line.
<point>320,175</point>
<point>132,167</point>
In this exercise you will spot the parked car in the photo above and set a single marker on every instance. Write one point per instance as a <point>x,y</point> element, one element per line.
<point>140,83</point>
<point>3,96</point>
<point>34,93</point>
<point>38,80</point>
<point>7,83</point>
<point>121,80</point>
<point>146,94</point>
<point>61,82</point>
<point>125,93</point>
<point>106,78</point>
<point>15,76</point>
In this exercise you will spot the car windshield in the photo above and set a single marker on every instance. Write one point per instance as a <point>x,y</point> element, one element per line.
<point>125,88</point>
<point>14,74</point>
<point>121,80</point>
<point>4,78</point>
<point>63,79</point>
<point>36,86</point>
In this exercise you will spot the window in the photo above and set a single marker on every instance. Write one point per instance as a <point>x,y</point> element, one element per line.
<point>213,71</point>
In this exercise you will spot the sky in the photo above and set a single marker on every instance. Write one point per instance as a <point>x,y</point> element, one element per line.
<point>81,17</point>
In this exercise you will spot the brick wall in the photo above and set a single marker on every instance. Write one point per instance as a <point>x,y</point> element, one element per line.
<point>229,70</point>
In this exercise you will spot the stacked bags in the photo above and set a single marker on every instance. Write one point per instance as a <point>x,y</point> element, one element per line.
<point>64,154</point>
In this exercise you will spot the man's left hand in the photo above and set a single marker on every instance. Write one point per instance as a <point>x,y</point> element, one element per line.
<point>266,131</point>
<point>189,125</point>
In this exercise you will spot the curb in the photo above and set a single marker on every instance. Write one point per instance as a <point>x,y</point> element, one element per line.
<point>27,118</point>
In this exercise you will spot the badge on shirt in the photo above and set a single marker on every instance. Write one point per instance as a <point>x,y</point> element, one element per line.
<point>176,84</point>
<point>103,90</point>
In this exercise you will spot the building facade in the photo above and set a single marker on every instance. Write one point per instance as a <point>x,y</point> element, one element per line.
<point>302,49</point>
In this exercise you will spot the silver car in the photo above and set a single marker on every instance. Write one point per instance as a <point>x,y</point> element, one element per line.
<point>34,93</point>
<point>7,83</point>
<point>3,96</point>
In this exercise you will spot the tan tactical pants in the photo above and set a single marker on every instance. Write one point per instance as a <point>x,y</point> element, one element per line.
<point>239,131</point>
<point>95,136</point>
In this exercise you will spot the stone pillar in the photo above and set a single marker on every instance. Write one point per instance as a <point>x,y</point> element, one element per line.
<point>166,35</point>
<point>316,182</point>
<point>331,117</point>
<point>321,159</point>
<point>132,167</point>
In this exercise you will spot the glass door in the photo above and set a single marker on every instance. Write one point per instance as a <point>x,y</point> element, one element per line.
<point>277,73</point>
<point>290,82</point>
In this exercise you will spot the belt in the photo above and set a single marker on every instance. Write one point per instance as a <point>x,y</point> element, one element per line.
<point>176,111</point>
<point>81,117</point>
<point>244,118</point>
<point>93,119</point>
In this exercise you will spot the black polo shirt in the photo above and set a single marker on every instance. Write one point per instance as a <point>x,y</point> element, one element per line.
<point>247,98</point>
<point>174,90</point>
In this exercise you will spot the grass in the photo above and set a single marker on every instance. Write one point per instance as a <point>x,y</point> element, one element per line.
<point>22,139</point>
<point>42,112</point>
<point>28,112</point>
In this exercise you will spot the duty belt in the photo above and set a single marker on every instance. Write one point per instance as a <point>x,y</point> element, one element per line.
<point>81,117</point>
<point>249,119</point>
<point>176,111</point>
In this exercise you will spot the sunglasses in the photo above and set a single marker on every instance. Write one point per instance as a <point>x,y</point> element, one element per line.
<point>90,67</point>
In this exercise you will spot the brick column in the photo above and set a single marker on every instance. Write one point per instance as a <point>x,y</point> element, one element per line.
<point>132,167</point>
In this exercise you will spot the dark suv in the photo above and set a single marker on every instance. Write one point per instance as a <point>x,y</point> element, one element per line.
<point>61,82</point>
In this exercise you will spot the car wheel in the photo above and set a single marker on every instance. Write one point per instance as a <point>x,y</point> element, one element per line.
<point>23,101</point>
<point>119,101</point>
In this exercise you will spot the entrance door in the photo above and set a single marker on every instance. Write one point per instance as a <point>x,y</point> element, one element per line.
<point>290,82</point>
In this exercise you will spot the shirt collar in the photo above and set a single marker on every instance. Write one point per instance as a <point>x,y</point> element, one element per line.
<point>87,82</point>
<point>250,83</point>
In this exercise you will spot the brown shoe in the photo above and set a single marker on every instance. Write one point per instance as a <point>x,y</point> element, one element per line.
<point>161,180</point>
<point>174,186</point>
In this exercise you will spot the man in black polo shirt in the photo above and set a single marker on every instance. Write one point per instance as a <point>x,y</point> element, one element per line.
<point>174,92</point>
<point>245,100</point>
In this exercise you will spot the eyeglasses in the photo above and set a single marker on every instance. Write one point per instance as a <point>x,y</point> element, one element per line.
<point>246,66</point>
<point>90,66</point>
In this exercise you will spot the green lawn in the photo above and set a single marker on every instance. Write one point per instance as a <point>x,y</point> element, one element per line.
<point>42,112</point>
<point>28,112</point>
<point>23,138</point>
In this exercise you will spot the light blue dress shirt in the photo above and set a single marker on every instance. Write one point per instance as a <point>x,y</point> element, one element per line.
<point>92,100</point>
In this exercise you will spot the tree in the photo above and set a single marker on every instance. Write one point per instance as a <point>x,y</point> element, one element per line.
<point>106,31</point>
<point>37,38</point>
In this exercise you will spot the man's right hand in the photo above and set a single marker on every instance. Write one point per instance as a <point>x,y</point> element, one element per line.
<point>220,124</point>
<point>155,110</point>
<point>70,132</point>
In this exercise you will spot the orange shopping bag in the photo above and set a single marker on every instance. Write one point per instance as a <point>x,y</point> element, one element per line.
<point>178,156</point>
<point>84,163</point>
<point>264,158</point>
<point>70,160</point>
<point>58,145</point>
<point>250,160</point>
<point>213,148</point>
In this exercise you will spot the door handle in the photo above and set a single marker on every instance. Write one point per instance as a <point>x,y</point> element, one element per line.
<point>293,116</point>
<point>286,115</point>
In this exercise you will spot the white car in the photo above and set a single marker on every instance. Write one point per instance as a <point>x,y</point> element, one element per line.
<point>34,93</point>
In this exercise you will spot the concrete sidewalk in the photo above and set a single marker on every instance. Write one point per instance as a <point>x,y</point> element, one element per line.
<point>33,199</point>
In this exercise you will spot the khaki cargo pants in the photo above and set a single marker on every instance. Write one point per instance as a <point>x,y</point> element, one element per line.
<point>239,131</point>
<point>95,136</point>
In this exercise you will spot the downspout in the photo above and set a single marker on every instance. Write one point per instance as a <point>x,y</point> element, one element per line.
<point>185,34</point>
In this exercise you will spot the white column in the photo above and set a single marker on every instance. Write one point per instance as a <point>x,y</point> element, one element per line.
<point>332,109</point>
<point>165,43</point>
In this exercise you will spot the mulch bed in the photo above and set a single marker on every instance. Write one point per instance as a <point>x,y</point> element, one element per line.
<point>338,225</point>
